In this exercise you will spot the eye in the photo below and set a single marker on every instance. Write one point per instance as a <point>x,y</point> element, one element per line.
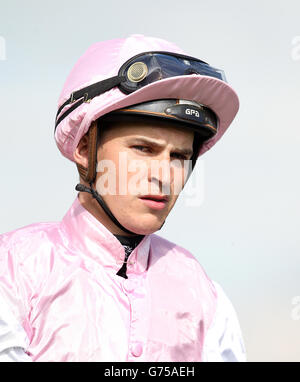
<point>179,156</point>
<point>144,149</point>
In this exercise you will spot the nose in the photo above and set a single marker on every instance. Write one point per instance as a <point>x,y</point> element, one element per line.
<point>160,173</point>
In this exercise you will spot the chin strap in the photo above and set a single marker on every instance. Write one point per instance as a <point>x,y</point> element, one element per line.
<point>80,187</point>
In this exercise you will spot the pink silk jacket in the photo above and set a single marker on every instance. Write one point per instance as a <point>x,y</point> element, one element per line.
<point>61,300</point>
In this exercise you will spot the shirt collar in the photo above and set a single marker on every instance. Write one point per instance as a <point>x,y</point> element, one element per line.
<point>88,235</point>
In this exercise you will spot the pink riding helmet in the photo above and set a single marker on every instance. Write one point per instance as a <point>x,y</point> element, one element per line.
<point>104,59</point>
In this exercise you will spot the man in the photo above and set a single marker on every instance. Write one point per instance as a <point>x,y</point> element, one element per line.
<point>100,285</point>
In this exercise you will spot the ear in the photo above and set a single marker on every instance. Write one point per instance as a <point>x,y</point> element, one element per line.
<point>81,152</point>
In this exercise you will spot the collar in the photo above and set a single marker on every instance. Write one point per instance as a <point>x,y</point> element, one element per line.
<point>88,235</point>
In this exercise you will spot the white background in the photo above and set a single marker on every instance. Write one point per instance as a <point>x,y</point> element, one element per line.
<point>246,231</point>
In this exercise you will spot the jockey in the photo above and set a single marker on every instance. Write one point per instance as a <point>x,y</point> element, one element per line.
<point>101,285</point>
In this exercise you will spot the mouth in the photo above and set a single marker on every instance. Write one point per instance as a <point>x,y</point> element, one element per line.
<point>156,202</point>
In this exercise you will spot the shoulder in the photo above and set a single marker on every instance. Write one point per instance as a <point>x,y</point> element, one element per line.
<point>168,247</point>
<point>22,233</point>
<point>26,259</point>
<point>24,239</point>
<point>177,260</point>
<point>224,340</point>
<point>26,256</point>
<point>166,250</point>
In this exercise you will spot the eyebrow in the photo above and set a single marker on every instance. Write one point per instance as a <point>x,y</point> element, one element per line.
<point>154,143</point>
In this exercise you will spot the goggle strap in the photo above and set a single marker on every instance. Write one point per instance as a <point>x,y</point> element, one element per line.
<point>73,107</point>
<point>86,94</point>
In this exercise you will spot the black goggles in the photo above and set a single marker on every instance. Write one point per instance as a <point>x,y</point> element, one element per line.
<point>141,70</point>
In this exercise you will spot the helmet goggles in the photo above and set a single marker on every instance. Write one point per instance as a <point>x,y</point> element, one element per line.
<point>139,71</point>
<point>146,68</point>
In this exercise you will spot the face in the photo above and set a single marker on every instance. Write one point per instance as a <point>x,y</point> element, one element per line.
<point>142,167</point>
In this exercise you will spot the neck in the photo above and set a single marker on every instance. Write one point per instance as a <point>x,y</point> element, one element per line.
<point>93,207</point>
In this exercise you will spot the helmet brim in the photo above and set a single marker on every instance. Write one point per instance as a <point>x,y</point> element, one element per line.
<point>210,92</point>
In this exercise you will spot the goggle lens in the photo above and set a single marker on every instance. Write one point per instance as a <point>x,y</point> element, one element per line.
<point>149,67</point>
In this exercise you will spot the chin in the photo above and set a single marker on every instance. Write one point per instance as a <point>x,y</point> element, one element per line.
<point>145,228</point>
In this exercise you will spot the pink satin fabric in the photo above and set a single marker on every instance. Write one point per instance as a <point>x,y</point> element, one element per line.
<point>60,281</point>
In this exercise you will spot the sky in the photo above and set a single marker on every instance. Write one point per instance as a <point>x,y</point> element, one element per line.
<point>245,228</point>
